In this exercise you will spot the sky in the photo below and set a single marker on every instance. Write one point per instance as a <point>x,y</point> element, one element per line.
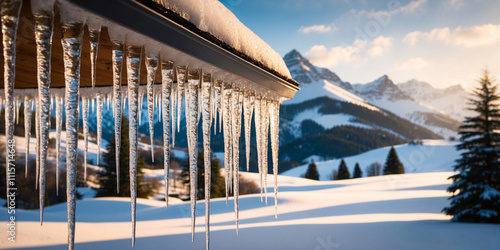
<point>442,42</point>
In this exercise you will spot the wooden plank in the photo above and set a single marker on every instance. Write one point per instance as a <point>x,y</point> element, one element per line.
<point>26,57</point>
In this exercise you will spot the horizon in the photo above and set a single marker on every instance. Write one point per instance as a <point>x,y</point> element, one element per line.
<point>443,43</point>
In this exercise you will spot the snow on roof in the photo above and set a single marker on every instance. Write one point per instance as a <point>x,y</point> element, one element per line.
<point>213,17</point>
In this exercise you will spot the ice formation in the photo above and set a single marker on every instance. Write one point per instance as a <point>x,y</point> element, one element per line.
<point>72,33</point>
<point>27,131</point>
<point>206,103</point>
<point>134,54</point>
<point>219,98</point>
<point>59,103</point>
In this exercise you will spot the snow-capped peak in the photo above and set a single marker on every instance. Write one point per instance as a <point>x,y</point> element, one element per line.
<point>305,72</point>
<point>379,88</point>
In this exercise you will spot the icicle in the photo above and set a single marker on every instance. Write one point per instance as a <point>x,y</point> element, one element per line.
<point>206,92</point>
<point>237,101</point>
<point>160,99</point>
<point>151,66</point>
<point>94,33</point>
<point>27,131</point>
<point>10,18</point>
<point>167,79</point>
<point>99,126</point>
<point>141,102</point>
<point>258,133</point>
<point>58,139</point>
<point>192,131</point>
<point>133,74</point>
<point>227,88</point>
<point>117,58</point>
<point>248,110</point>
<point>173,99</point>
<point>72,32</point>
<point>274,148</point>
<point>217,104</point>
<point>85,116</point>
<point>181,77</point>
<point>265,131</point>
<point>37,148</point>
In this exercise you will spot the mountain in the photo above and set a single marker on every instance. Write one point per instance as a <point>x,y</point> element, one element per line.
<point>449,100</point>
<point>329,119</point>
<point>383,93</point>
<point>305,73</point>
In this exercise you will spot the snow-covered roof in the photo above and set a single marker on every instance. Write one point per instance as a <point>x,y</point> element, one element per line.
<point>213,17</point>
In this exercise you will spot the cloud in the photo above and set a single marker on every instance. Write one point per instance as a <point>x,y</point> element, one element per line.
<point>456,3</point>
<point>472,37</point>
<point>379,46</point>
<point>392,8</point>
<point>323,57</point>
<point>317,28</point>
<point>412,6</point>
<point>412,64</point>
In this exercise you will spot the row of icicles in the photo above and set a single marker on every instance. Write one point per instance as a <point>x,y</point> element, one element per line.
<point>204,97</point>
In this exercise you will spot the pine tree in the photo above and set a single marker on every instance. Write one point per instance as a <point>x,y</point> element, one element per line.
<point>217,186</point>
<point>312,171</point>
<point>107,177</point>
<point>476,189</point>
<point>357,171</point>
<point>343,171</point>
<point>392,164</point>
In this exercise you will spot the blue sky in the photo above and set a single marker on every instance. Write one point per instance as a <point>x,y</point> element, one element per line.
<point>442,42</point>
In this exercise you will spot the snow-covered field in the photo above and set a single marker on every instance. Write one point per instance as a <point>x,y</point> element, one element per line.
<point>432,156</point>
<point>385,212</point>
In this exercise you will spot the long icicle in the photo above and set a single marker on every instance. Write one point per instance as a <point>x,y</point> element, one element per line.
<point>265,138</point>
<point>258,133</point>
<point>94,33</point>
<point>85,116</point>
<point>117,58</point>
<point>133,74</point>
<point>72,33</point>
<point>167,74</point>
<point>58,139</point>
<point>151,66</point>
<point>206,92</point>
<point>44,25</point>
<point>248,103</point>
<point>226,97</point>
<point>274,148</point>
<point>10,18</point>
<point>237,101</point>
<point>181,77</point>
<point>27,131</point>
<point>99,126</point>
<point>192,130</point>
<point>37,147</point>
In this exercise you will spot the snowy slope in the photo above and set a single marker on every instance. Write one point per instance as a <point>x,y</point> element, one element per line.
<point>385,212</point>
<point>385,94</point>
<point>380,94</point>
<point>432,156</point>
<point>451,100</point>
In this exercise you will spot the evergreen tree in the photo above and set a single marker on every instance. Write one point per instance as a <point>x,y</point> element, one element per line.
<point>343,171</point>
<point>392,164</point>
<point>217,186</point>
<point>357,171</point>
<point>107,177</point>
<point>476,189</point>
<point>312,171</point>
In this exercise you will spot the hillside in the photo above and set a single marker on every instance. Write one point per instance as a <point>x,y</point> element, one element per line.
<point>432,156</point>
<point>311,215</point>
